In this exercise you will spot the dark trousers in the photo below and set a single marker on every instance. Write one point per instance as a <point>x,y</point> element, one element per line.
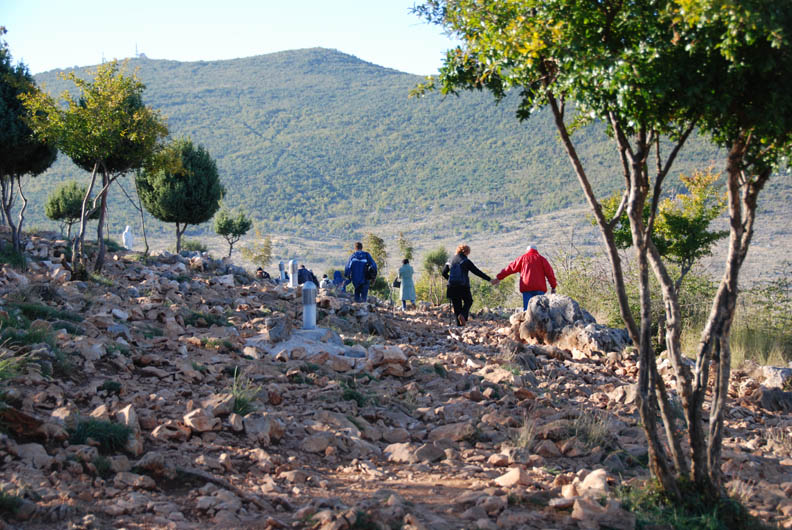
<point>361,292</point>
<point>461,300</point>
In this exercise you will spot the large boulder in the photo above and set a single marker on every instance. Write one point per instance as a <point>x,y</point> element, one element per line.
<point>548,316</point>
<point>560,321</point>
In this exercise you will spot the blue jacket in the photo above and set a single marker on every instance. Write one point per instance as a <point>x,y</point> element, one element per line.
<point>356,267</point>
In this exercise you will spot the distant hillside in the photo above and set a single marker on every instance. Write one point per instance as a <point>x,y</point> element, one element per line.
<point>323,141</point>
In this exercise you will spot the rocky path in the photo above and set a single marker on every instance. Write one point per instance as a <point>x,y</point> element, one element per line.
<point>380,419</point>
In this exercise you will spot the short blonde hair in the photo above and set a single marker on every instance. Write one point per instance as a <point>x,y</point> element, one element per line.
<point>463,249</point>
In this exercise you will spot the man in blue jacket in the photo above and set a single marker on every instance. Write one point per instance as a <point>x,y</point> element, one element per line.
<point>356,270</point>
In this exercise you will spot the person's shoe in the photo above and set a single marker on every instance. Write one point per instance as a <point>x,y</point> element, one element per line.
<point>461,319</point>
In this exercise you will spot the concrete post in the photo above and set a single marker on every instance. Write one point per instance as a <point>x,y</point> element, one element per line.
<point>292,273</point>
<point>309,305</point>
<point>282,271</point>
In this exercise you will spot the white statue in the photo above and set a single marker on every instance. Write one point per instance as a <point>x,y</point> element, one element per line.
<point>128,239</point>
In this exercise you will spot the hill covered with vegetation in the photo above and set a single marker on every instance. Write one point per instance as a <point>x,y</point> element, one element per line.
<point>323,141</point>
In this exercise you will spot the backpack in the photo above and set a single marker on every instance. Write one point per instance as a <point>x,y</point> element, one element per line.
<point>371,273</point>
<point>455,276</point>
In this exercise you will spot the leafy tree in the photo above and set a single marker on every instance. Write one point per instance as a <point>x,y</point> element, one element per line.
<point>231,228</point>
<point>405,246</point>
<point>430,286</point>
<point>375,246</point>
<point>682,228</point>
<point>21,153</point>
<point>105,129</point>
<point>488,295</point>
<point>649,70</point>
<point>65,204</point>
<point>184,190</point>
<point>260,251</point>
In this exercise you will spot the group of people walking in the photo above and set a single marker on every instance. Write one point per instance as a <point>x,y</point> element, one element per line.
<point>534,269</point>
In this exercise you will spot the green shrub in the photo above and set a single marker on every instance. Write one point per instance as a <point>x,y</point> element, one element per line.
<point>35,311</point>
<point>104,468</point>
<point>654,509</point>
<point>194,319</point>
<point>9,504</point>
<point>10,365</point>
<point>112,245</point>
<point>9,256</point>
<point>62,365</point>
<point>244,393</point>
<point>111,387</point>
<point>110,436</point>
<point>504,294</point>
<point>194,246</point>
<point>350,393</point>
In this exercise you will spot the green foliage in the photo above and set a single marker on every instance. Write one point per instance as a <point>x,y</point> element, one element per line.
<point>10,365</point>
<point>21,152</point>
<point>183,187</point>
<point>15,330</point>
<point>430,286</point>
<point>32,311</point>
<point>106,123</point>
<point>64,204</point>
<point>111,437</point>
<point>259,252</point>
<point>682,228</point>
<point>231,228</point>
<point>111,387</point>
<point>653,508</point>
<point>502,295</point>
<point>349,392</point>
<point>101,280</point>
<point>194,245</point>
<point>9,504</point>
<point>13,257</point>
<point>198,319</point>
<point>375,246</point>
<point>405,247</point>
<point>103,466</point>
<point>112,245</point>
<point>762,326</point>
<point>590,283</point>
<point>317,155</point>
<point>244,393</point>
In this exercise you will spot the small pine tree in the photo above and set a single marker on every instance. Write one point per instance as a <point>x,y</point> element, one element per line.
<point>185,189</point>
<point>64,204</point>
<point>231,228</point>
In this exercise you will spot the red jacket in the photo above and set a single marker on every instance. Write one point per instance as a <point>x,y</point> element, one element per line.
<point>533,269</point>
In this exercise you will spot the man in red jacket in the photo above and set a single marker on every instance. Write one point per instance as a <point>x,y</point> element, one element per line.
<point>533,269</point>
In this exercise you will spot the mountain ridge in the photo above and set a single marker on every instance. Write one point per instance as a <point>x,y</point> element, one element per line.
<point>322,140</point>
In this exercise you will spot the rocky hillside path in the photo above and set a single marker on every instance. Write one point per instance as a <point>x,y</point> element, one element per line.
<point>379,419</point>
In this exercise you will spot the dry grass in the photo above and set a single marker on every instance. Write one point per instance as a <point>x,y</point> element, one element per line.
<point>741,490</point>
<point>780,438</point>
<point>592,428</point>
<point>523,436</point>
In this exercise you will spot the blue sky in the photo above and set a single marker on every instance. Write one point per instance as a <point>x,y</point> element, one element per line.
<point>64,33</point>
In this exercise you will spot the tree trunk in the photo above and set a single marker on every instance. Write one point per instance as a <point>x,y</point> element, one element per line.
<point>18,230</point>
<point>100,255</point>
<point>647,373</point>
<point>78,263</point>
<point>7,190</point>
<point>179,233</point>
<point>143,225</point>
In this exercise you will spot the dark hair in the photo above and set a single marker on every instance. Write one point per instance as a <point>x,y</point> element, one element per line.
<point>358,246</point>
<point>405,261</point>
